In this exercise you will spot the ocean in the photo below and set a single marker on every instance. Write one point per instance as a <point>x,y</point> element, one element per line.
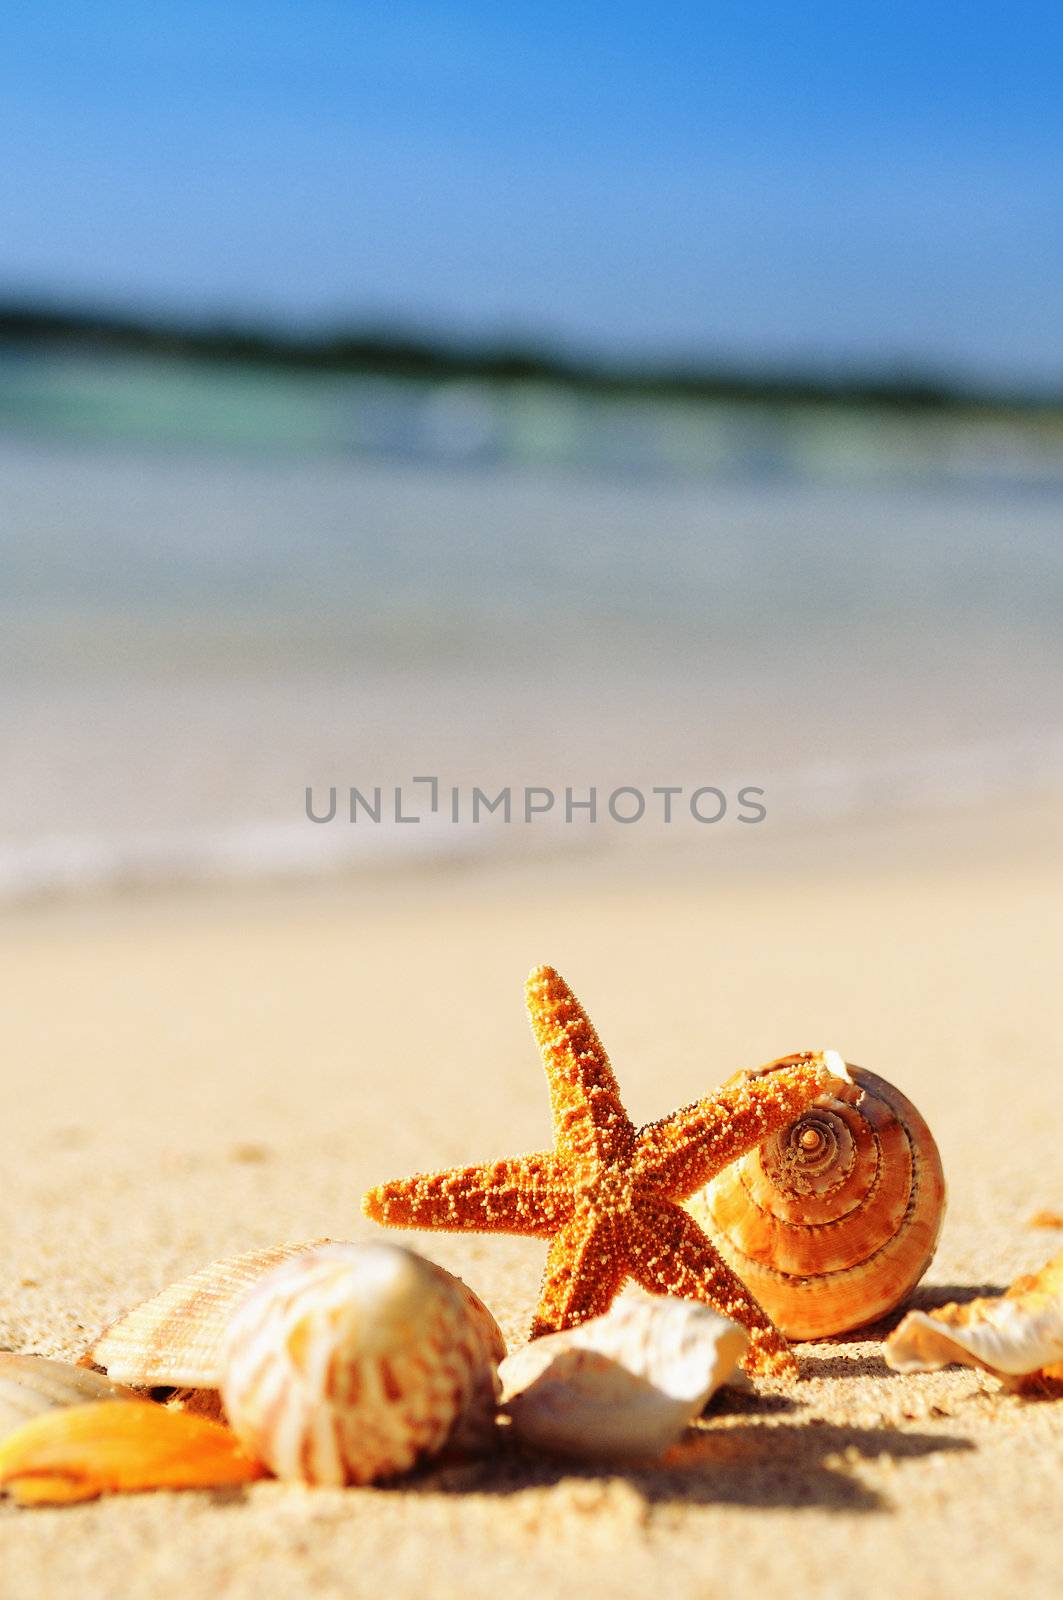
<point>223,589</point>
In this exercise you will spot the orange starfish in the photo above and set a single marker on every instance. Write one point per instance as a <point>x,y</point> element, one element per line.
<point>608,1195</point>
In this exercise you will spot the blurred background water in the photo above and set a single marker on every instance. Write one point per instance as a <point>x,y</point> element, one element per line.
<point>224,581</point>
<point>226,588</point>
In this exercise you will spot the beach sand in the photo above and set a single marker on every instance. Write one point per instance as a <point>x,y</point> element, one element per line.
<point>192,1075</point>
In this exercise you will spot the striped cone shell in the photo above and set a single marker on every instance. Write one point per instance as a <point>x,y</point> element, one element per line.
<point>352,1362</point>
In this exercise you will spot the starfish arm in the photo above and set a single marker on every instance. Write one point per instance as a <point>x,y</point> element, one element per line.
<point>669,1254</point>
<point>518,1195</point>
<point>585,1269</point>
<point>590,1123</point>
<point>681,1153</point>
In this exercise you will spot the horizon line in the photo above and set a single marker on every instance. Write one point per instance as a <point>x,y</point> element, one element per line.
<point>392,348</point>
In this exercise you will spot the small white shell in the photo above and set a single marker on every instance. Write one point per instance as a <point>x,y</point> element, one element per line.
<point>352,1362</point>
<point>1017,1335</point>
<point>623,1386</point>
<point>30,1385</point>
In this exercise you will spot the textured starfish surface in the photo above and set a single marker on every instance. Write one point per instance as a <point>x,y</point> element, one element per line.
<point>608,1195</point>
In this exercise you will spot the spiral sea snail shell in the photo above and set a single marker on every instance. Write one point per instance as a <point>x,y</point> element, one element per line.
<point>832,1222</point>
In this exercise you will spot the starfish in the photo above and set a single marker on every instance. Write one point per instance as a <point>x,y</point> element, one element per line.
<point>608,1195</point>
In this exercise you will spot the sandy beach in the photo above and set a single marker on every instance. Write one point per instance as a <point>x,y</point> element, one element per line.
<point>199,1074</point>
<point>487,490</point>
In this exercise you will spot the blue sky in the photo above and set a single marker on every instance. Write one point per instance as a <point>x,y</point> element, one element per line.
<point>825,184</point>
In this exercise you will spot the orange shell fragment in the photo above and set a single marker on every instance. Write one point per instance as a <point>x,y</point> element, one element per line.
<point>1045,1219</point>
<point>1017,1336</point>
<point>116,1446</point>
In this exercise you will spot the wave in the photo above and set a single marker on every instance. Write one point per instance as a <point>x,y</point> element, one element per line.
<point>799,801</point>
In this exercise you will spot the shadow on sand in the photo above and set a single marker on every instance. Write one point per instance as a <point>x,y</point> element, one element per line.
<point>799,1464</point>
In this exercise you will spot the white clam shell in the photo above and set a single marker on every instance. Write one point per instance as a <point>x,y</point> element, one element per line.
<point>1015,1336</point>
<point>30,1385</point>
<point>623,1386</point>
<point>352,1362</point>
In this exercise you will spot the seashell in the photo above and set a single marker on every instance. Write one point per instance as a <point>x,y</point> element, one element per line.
<point>624,1386</point>
<point>352,1362</point>
<point>832,1222</point>
<point>30,1385</point>
<point>175,1338</point>
<point>1017,1336</point>
<point>106,1446</point>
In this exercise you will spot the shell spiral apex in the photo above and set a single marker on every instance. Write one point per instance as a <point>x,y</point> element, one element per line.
<point>351,1362</point>
<point>832,1221</point>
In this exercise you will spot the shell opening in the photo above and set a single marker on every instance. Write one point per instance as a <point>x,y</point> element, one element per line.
<point>836,1065</point>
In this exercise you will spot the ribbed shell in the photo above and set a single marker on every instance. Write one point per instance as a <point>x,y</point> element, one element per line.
<point>353,1362</point>
<point>32,1385</point>
<point>175,1338</point>
<point>832,1222</point>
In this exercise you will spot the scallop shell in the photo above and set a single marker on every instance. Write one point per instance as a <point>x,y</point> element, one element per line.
<point>832,1222</point>
<point>31,1385</point>
<point>353,1362</point>
<point>175,1338</point>
<point>623,1386</point>
<point>87,1450</point>
<point>1017,1335</point>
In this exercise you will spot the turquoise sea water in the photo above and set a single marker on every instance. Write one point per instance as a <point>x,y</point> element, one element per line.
<point>221,587</point>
